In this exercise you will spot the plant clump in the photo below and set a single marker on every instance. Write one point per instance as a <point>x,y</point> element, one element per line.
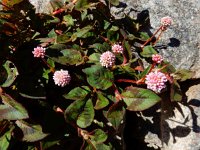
<point>70,75</point>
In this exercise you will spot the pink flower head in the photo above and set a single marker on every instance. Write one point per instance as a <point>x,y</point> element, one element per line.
<point>157,58</point>
<point>166,21</point>
<point>156,81</point>
<point>107,59</point>
<point>61,78</point>
<point>39,52</point>
<point>116,48</point>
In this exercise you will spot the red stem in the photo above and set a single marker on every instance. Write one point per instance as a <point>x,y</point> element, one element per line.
<point>6,6</point>
<point>151,37</point>
<point>51,68</point>
<point>127,81</point>
<point>158,37</point>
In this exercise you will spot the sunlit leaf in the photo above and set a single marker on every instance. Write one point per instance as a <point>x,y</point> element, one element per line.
<point>31,132</point>
<point>100,47</point>
<point>138,99</point>
<point>148,51</point>
<point>115,114</point>
<point>101,102</point>
<point>144,35</point>
<point>127,47</point>
<point>68,20</point>
<point>67,57</point>
<point>9,72</point>
<point>11,2</point>
<point>80,33</point>
<point>99,136</point>
<point>86,116</point>
<point>12,110</point>
<point>94,58</point>
<point>99,77</point>
<point>78,93</point>
<point>5,140</point>
<point>81,112</point>
<point>83,5</point>
<point>183,74</point>
<point>114,2</point>
<point>175,92</point>
<point>145,72</point>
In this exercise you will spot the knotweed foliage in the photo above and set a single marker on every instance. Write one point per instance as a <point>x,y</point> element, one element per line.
<point>67,78</point>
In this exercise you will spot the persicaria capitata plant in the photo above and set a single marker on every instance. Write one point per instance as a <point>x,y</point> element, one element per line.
<point>68,77</point>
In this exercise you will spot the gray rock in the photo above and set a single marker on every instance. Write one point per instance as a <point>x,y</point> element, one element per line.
<point>180,131</point>
<point>45,6</point>
<point>42,6</point>
<point>182,38</point>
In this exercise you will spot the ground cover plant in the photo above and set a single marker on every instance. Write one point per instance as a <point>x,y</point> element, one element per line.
<point>67,78</point>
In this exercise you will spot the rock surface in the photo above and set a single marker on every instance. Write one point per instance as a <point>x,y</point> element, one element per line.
<point>182,38</point>
<point>180,131</point>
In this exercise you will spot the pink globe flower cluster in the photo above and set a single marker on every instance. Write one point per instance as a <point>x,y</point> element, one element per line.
<point>156,81</point>
<point>39,52</point>
<point>107,59</point>
<point>157,58</point>
<point>116,48</point>
<point>166,22</point>
<point>61,78</point>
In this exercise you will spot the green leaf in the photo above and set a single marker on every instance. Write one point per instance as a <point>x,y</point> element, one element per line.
<point>127,47</point>
<point>128,70</point>
<point>73,110</point>
<point>78,93</point>
<point>56,47</point>
<point>68,20</point>
<point>175,92</point>
<point>114,2</point>
<point>144,36</point>
<point>148,51</point>
<point>9,73</point>
<point>51,63</point>
<point>139,99</point>
<point>101,102</point>
<point>106,24</point>
<point>31,133</point>
<point>98,136</point>
<point>112,35</point>
<point>46,74</point>
<point>12,110</point>
<point>48,144</point>
<point>115,114</point>
<point>92,146</point>
<point>183,75</point>
<point>80,33</point>
<point>56,4</point>
<point>81,112</point>
<point>11,3</point>
<point>100,47</point>
<point>94,58</point>
<point>86,117</point>
<point>83,5</point>
<point>168,69</point>
<point>63,38</point>
<point>5,140</point>
<point>68,57</point>
<point>145,72</point>
<point>99,77</point>
<point>84,15</point>
<point>52,34</point>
